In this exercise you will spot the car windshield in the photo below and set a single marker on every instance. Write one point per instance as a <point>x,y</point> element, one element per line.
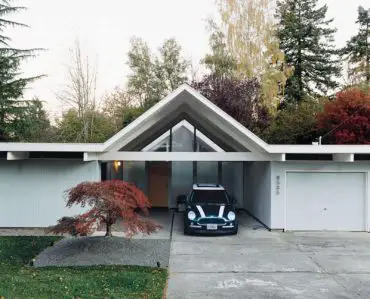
<point>209,197</point>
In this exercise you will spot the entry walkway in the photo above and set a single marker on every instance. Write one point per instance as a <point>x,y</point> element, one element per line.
<point>257,263</point>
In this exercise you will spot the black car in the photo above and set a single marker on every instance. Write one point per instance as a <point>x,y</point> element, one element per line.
<point>209,210</point>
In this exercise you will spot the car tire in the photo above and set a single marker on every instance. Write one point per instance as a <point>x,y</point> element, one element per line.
<point>235,232</point>
<point>186,231</point>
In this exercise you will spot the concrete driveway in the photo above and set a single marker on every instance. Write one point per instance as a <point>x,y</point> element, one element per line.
<point>261,264</point>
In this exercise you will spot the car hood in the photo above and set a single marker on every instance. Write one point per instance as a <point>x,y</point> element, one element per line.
<point>209,210</point>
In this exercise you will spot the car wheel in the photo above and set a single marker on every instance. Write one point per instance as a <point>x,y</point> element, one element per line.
<point>235,232</point>
<point>186,231</point>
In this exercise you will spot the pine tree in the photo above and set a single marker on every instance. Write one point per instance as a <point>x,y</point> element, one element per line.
<point>11,83</point>
<point>307,41</point>
<point>357,50</point>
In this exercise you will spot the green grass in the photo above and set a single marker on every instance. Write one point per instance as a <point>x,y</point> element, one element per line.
<point>19,280</point>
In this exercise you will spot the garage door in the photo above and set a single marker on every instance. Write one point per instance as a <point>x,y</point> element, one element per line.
<point>325,201</point>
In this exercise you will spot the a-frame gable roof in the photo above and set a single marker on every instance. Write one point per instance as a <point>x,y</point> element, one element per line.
<point>185,102</point>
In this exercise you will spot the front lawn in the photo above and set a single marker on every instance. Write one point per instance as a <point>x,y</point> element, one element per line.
<point>19,280</point>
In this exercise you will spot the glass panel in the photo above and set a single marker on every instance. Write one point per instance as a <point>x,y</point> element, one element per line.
<point>181,180</point>
<point>182,139</point>
<point>114,170</point>
<point>207,172</point>
<point>161,144</point>
<point>135,172</point>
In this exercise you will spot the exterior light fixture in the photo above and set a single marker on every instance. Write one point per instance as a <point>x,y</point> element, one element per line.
<point>116,165</point>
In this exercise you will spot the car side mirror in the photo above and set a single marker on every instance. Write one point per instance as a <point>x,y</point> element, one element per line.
<point>181,199</point>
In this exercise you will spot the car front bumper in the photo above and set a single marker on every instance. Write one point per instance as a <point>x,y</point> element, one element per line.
<point>195,228</point>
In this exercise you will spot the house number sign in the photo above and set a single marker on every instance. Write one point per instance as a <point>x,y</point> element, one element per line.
<point>277,184</point>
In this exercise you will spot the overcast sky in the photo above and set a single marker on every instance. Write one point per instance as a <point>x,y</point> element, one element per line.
<point>104,29</point>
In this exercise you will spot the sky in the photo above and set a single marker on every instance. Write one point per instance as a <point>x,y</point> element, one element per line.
<point>104,29</point>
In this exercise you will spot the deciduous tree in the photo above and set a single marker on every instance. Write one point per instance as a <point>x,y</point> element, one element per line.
<point>80,91</point>
<point>346,120</point>
<point>69,128</point>
<point>108,201</point>
<point>295,124</point>
<point>306,39</point>
<point>245,44</point>
<point>153,77</point>
<point>237,97</point>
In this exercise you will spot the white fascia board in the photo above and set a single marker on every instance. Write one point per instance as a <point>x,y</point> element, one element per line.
<point>134,129</point>
<point>253,137</point>
<point>184,156</point>
<point>319,149</point>
<point>142,118</point>
<point>12,156</point>
<point>50,147</point>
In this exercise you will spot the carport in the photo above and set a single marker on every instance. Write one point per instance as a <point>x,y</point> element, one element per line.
<point>184,139</point>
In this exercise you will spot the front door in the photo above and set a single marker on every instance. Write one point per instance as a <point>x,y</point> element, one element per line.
<point>158,183</point>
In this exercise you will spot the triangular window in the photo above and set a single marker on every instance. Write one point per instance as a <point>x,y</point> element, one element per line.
<point>182,140</point>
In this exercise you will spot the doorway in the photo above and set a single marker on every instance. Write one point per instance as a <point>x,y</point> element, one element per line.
<point>159,174</point>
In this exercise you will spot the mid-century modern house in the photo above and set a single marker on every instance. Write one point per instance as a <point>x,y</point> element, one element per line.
<point>186,139</point>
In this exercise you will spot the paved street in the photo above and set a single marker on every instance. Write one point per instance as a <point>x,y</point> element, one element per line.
<point>261,264</point>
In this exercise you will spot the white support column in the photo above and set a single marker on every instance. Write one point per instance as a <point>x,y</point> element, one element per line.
<point>17,156</point>
<point>343,157</point>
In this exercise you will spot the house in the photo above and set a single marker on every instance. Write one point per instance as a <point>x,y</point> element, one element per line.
<point>186,139</point>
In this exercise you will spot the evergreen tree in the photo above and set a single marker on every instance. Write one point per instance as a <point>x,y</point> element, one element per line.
<point>357,50</point>
<point>307,41</point>
<point>11,83</point>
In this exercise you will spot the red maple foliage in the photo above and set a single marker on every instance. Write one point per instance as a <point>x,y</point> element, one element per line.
<point>109,201</point>
<point>346,120</point>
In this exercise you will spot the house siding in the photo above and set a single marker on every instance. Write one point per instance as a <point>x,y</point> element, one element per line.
<point>32,191</point>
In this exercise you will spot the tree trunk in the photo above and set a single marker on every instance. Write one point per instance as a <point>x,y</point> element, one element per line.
<point>108,232</point>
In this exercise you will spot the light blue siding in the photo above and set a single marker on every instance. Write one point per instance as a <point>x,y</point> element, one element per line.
<point>32,191</point>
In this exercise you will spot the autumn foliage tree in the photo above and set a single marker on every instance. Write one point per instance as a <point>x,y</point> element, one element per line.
<point>240,98</point>
<point>346,120</point>
<point>108,201</point>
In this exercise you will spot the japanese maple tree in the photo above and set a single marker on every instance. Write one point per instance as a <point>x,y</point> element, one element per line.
<point>109,201</point>
<point>346,120</point>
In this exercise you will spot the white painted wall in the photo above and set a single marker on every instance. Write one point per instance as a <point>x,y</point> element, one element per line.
<point>31,191</point>
<point>278,180</point>
<point>232,180</point>
<point>257,190</point>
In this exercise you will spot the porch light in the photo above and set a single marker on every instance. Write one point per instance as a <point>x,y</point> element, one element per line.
<point>116,165</point>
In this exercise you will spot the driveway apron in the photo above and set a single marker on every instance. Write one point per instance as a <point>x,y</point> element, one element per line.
<point>261,264</point>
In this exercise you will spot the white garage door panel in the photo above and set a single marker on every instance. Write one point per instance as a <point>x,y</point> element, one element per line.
<point>325,201</point>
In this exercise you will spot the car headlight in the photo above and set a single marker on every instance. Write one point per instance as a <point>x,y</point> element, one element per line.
<point>191,215</point>
<point>231,216</point>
